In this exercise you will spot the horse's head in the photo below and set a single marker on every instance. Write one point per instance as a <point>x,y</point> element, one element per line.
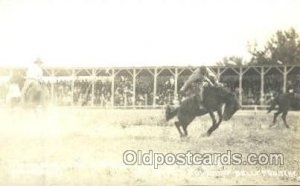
<point>231,106</point>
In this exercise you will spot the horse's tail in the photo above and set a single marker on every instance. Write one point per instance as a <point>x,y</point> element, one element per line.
<point>170,113</point>
<point>273,104</point>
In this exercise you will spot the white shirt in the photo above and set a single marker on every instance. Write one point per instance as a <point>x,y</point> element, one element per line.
<point>14,90</point>
<point>34,72</point>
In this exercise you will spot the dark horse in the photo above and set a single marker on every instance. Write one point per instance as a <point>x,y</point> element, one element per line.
<point>37,95</point>
<point>213,100</point>
<point>285,103</point>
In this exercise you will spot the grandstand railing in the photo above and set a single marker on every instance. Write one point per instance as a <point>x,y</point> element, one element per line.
<point>252,84</point>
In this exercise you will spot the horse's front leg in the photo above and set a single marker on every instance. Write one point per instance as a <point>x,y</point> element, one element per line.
<point>184,127</point>
<point>284,119</point>
<point>275,118</point>
<point>177,124</point>
<point>219,111</point>
<point>214,124</point>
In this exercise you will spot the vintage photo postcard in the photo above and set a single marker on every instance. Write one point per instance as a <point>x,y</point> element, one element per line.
<point>149,92</point>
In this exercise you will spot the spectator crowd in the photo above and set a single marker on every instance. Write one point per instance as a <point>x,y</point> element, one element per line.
<point>67,92</point>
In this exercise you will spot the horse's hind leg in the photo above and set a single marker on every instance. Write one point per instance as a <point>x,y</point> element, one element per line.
<point>177,124</point>
<point>284,114</point>
<point>214,125</point>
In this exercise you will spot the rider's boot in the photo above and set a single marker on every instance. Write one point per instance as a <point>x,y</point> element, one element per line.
<point>200,102</point>
<point>201,98</point>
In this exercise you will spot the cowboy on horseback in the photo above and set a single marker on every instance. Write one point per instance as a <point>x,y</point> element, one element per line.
<point>33,77</point>
<point>206,78</point>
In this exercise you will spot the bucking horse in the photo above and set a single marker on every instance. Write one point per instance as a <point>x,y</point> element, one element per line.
<point>213,100</point>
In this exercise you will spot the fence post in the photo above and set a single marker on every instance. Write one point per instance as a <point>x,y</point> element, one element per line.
<point>262,85</point>
<point>154,88</point>
<point>175,101</point>
<point>134,87</point>
<point>241,86</point>
<point>113,88</point>
<point>52,86</point>
<point>93,86</point>
<point>284,78</point>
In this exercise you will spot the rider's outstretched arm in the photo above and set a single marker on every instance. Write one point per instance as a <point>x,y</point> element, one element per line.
<point>192,78</point>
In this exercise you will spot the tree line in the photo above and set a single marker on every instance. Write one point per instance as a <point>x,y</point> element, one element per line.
<point>283,48</point>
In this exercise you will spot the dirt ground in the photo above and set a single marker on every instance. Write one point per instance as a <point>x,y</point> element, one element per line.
<point>68,146</point>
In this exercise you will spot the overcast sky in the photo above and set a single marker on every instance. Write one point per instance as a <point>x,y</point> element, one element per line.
<point>139,32</point>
